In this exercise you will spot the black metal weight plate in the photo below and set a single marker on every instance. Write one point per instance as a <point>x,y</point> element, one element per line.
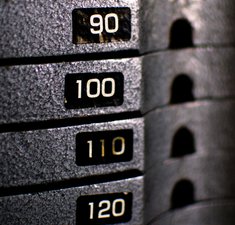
<point>176,183</point>
<point>119,201</point>
<point>173,77</point>
<point>205,213</point>
<point>202,128</point>
<point>55,28</point>
<point>184,23</point>
<point>59,154</point>
<point>69,90</point>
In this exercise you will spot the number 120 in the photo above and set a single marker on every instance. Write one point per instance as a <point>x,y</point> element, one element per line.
<point>104,207</point>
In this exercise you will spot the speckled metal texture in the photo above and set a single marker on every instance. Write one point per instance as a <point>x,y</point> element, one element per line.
<point>44,28</point>
<point>212,22</point>
<point>59,206</point>
<point>205,213</point>
<point>45,156</point>
<point>211,71</point>
<point>36,92</point>
<point>211,124</point>
<point>211,178</point>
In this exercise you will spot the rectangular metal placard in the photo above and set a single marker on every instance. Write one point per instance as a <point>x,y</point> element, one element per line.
<point>93,90</point>
<point>104,209</point>
<point>101,25</point>
<point>104,147</point>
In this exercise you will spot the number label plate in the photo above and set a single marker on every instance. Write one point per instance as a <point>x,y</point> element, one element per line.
<point>101,25</point>
<point>93,90</point>
<point>104,147</point>
<point>104,209</point>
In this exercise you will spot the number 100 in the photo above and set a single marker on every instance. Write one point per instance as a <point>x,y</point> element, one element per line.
<point>101,88</point>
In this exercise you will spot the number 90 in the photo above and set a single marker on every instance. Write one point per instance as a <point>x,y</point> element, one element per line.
<point>97,20</point>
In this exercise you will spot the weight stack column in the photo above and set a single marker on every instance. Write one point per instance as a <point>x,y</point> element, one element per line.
<point>189,112</point>
<point>71,131</point>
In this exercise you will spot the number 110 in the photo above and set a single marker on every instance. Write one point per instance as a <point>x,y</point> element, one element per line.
<point>114,150</point>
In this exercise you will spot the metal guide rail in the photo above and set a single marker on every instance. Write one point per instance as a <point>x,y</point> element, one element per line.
<point>117,112</point>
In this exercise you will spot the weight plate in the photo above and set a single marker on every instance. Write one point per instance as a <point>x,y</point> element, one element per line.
<point>203,128</point>
<point>59,154</point>
<point>186,23</point>
<point>209,213</point>
<point>186,75</point>
<point>175,183</point>
<point>65,90</point>
<point>63,206</point>
<point>50,28</point>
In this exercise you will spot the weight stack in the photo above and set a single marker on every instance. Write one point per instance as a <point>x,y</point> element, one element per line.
<point>189,106</point>
<point>71,131</point>
<point>117,112</point>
